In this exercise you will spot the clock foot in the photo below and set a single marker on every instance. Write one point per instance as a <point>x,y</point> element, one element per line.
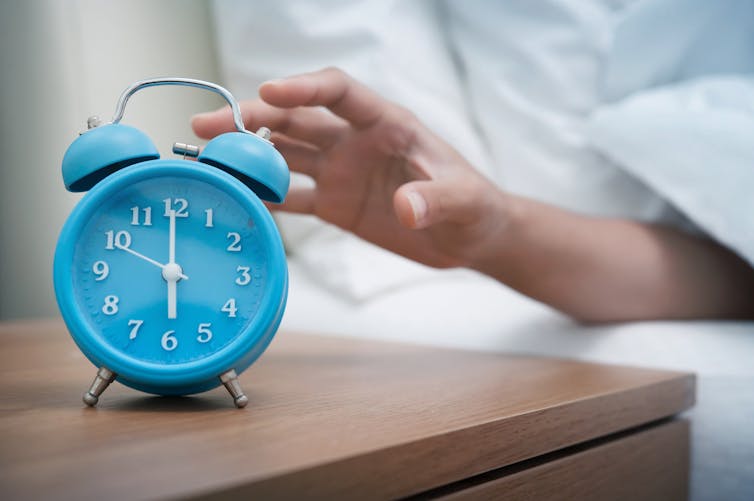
<point>101,381</point>
<point>230,380</point>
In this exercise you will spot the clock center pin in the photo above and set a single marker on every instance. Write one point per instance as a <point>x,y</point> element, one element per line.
<point>172,272</point>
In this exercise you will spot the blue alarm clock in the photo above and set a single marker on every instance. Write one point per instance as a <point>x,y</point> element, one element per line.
<point>170,274</point>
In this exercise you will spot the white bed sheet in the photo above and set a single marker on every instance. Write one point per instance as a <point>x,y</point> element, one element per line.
<point>461,309</point>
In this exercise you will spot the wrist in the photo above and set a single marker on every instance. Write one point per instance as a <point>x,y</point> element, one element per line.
<point>500,215</point>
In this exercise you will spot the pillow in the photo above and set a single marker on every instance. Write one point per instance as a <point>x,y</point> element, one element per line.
<point>693,143</point>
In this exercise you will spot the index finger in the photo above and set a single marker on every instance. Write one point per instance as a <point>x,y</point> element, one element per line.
<point>331,88</point>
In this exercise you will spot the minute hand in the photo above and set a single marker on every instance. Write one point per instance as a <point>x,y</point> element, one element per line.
<point>145,258</point>
<point>171,238</point>
<point>172,280</point>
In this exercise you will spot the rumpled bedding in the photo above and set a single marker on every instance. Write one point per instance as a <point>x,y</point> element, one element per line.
<point>693,143</point>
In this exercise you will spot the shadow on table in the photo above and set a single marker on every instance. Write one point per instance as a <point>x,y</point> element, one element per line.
<point>154,403</point>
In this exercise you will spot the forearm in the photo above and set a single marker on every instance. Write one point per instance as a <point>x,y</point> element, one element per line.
<point>601,270</point>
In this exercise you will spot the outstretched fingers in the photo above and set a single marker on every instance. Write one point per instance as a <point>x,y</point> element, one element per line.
<point>300,200</point>
<point>331,88</point>
<point>300,157</point>
<point>316,126</point>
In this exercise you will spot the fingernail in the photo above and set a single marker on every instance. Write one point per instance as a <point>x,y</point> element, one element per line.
<point>274,81</point>
<point>202,116</point>
<point>418,206</point>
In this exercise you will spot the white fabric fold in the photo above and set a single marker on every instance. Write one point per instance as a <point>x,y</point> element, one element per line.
<point>694,144</point>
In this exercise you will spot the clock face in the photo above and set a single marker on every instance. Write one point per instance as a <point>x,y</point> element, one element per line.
<point>170,269</point>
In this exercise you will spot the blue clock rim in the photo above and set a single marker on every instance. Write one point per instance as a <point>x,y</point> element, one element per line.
<point>194,376</point>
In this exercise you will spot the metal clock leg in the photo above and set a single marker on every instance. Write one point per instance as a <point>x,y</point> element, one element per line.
<point>230,380</point>
<point>101,381</point>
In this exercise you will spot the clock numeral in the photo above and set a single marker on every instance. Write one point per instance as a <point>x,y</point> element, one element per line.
<point>111,305</point>
<point>121,239</point>
<point>147,216</point>
<point>208,222</point>
<point>230,308</point>
<point>245,278</point>
<point>204,333</point>
<point>181,203</point>
<point>136,325</point>
<point>235,242</point>
<point>101,269</point>
<point>169,342</point>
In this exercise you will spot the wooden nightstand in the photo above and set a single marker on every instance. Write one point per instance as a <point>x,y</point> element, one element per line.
<point>333,418</point>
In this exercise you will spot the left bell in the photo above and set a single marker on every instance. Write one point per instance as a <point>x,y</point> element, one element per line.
<point>102,150</point>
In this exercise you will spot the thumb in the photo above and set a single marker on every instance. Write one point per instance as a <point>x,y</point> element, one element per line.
<point>420,204</point>
<point>210,124</point>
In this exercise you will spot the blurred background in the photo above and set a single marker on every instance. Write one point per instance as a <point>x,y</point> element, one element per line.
<point>61,63</point>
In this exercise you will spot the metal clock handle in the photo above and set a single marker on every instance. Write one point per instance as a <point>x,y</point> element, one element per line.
<point>120,108</point>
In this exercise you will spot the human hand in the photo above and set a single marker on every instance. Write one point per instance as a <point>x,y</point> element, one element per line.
<point>378,171</point>
<point>383,175</point>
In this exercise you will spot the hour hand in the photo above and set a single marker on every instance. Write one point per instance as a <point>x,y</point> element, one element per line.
<point>145,258</point>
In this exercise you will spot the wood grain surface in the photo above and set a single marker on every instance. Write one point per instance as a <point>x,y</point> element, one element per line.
<point>328,418</point>
<point>649,464</point>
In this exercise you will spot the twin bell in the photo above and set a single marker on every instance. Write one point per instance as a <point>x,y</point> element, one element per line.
<point>105,149</point>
